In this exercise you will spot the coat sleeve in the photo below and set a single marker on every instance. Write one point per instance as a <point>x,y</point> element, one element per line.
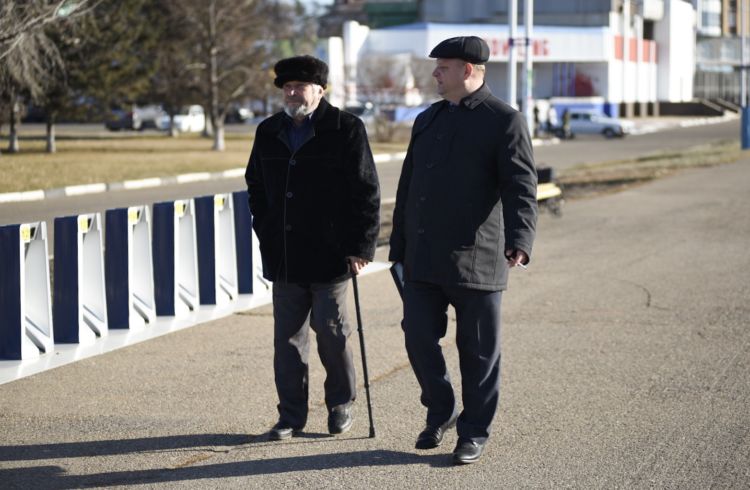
<point>363,195</point>
<point>257,199</point>
<point>398,234</point>
<point>518,185</point>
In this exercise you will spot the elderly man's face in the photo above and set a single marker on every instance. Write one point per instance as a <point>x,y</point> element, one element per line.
<point>450,75</point>
<point>301,98</point>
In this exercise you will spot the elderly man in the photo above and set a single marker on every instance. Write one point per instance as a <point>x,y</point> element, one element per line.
<point>465,214</point>
<point>315,199</point>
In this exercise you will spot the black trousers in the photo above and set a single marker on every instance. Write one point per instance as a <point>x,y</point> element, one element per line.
<point>478,341</point>
<point>325,306</point>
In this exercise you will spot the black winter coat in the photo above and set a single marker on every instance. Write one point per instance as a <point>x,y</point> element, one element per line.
<point>313,208</point>
<point>467,193</point>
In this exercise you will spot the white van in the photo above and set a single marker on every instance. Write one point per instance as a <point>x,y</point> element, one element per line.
<point>592,122</point>
<point>189,119</point>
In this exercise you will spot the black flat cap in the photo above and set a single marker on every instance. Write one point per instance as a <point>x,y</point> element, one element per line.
<point>468,48</point>
<point>301,69</point>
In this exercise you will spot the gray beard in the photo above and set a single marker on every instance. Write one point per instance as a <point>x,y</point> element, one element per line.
<point>298,112</point>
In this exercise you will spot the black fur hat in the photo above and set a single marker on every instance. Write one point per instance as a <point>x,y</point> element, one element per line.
<point>301,69</point>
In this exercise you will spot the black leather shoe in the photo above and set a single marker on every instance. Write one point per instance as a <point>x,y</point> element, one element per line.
<point>340,420</point>
<point>432,437</point>
<point>283,430</point>
<point>467,451</point>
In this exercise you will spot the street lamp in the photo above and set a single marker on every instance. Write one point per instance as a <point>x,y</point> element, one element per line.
<point>745,126</point>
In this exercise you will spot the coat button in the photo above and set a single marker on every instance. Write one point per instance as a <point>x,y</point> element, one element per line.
<point>422,198</point>
<point>289,195</point>
<point>430,165</point>
<point>288,227</point>
<point>420,231</point>
<point>292,162</point>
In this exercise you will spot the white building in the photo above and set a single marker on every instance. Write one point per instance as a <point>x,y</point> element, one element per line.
<point>610,66</point>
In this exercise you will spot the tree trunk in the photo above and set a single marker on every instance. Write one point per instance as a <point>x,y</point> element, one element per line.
<point>51,142</point>
<point>219,138</point>
<point>13,146</point>
<point>208,130</point>
<point>173,133</point>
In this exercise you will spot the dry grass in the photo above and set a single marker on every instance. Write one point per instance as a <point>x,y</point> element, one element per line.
<point>85,161</point>
<point>612,176</point>
<point>88,160</point>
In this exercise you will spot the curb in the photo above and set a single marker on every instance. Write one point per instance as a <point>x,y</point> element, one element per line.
<point>79,190</point>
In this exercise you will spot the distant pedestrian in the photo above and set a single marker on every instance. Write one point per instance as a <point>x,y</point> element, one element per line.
<point>465,214</point>
<point>551,119</point>
<point>566,134</point>
<point>315,198</point>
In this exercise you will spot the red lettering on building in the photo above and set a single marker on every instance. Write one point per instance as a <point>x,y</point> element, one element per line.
<point>502,46</point>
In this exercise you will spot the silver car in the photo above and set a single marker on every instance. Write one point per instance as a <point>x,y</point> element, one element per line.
<point>592,122</point>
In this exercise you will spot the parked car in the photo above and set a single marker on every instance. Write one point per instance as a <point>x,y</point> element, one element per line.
<point>366,111</point>
<point>592,122</point>
<point>239,115</point>
<point>138,118</point>
<point>189,119</point>
<point>120,119</point>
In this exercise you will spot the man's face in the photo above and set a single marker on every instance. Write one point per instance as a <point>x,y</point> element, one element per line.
<point>450,76</point>
<point>301,98</point>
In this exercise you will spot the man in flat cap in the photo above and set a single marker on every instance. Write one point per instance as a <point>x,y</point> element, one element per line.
<point>315,199</point>
<point>465,214</point>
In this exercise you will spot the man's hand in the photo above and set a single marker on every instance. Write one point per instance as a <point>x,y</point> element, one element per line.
<point>516,257</point>
<point>356,264</point>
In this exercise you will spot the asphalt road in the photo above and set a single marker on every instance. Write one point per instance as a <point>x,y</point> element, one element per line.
<point>626,364</point>
<point>583,149</point>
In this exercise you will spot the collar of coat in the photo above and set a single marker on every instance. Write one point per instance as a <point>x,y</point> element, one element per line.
<point>325,118</point>
<point>470,102</point>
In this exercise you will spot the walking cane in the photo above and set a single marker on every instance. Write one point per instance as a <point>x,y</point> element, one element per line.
<point>364,355</point>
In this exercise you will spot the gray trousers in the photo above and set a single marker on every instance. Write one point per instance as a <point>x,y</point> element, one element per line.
<point>478,341</point>
<point>325,306</point>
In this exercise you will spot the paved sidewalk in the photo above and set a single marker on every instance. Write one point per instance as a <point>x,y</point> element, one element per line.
<point>625,365</point>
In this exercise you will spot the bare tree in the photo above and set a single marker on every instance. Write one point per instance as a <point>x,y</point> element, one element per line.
<point>22,18</point>
<point>388,81</point>
<point>234,39</point>
<point>29,59</point>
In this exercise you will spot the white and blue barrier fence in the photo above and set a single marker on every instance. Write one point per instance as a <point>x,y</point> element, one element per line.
<point>191,253</point>
<point>79,305</point>
<point>175,258</point>
<point>249,266</point>
<point>25,310</point>
<point>129,268</point>
<point>217,252</point>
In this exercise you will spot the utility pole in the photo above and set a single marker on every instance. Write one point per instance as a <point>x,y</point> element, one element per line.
<point>528,66</point>
<point>625,55</point>
<point>512,54</point>
<point>745,125</point>
<point>743,52</point>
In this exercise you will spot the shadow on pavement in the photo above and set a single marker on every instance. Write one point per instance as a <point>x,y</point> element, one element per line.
<point>121,446</point>
<point>55,477</point>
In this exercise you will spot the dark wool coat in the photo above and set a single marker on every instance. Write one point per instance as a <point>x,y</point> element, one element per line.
<point>467,193</point>
<point>313,208</point>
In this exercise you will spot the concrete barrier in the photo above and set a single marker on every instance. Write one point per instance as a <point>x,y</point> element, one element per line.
<point>175,258</point>
<point>129,268</point>
<point>249,265</point>
<point>79,305</point>
<point>26,320</point>
<point>217,249</point>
